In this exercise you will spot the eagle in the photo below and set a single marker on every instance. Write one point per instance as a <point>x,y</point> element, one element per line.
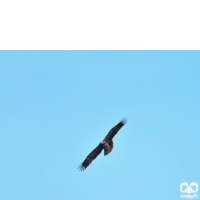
<point>106,144</point>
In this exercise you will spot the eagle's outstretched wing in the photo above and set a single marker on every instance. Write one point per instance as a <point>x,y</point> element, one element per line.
<point>90,157</point>
<point>114,130</point>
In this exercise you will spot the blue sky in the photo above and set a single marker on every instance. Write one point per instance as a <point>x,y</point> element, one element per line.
<point>56,106</point>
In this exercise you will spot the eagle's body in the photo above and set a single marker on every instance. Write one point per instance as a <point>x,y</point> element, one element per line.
<point>106,144</point>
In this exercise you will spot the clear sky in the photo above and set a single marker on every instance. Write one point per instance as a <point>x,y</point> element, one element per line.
<point>56,106</point>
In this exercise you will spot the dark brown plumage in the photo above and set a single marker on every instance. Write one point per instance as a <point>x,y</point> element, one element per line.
<point>106,144</point>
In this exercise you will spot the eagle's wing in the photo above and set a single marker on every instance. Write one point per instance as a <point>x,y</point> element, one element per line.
<point>90,157</point>
<point>114,130</point>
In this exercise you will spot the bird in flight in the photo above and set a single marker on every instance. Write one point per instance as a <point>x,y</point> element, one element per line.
<point>106,144</point>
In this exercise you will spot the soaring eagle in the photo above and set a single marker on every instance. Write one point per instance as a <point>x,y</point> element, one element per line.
<point>106,144</point>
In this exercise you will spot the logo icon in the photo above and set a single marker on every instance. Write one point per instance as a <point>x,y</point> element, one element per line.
<point>192,188</point>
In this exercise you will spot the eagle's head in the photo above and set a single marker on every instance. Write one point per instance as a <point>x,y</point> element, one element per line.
<point>102,142</point>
